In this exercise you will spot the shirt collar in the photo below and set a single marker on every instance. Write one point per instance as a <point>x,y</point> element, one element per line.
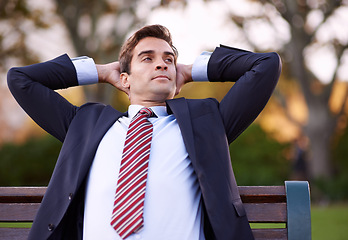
<point>160,111</point>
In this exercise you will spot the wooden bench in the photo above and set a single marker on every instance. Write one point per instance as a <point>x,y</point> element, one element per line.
<point>288,206</point>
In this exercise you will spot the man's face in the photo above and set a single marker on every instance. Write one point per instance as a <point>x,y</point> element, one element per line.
<point>152,77</point>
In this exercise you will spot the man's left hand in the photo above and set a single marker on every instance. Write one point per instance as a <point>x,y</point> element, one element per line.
<point>183,76</point>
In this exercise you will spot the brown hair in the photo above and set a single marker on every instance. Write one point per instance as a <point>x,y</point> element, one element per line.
<point>156,31</point>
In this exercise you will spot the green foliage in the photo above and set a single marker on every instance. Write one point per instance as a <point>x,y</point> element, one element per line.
<point>336,189</point>
<point>256,158</point>
<point>340,153</point>
<point>259,160</point>
<point>29,164</point>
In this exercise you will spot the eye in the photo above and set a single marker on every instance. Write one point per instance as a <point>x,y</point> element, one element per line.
<point>147,59</point>
<point>169,60</point>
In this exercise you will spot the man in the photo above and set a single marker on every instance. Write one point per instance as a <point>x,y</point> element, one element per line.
<point>191,192</point>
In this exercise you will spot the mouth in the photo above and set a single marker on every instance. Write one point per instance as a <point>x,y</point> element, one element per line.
<point>161,77</point>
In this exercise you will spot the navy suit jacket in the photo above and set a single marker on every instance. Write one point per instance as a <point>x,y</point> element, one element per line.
<point>207,126</point>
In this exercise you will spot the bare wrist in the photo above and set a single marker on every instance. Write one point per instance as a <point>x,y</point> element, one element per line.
<point>101,73</point>
<point>188,73</point>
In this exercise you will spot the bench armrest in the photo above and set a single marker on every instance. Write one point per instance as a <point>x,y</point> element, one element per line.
<point>298,209</point>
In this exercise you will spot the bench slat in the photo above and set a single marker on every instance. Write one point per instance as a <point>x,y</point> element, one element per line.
<point>274,234</point>
<point>18,212</point>
<point>21,194</point>
<point>262,194</point>
<point>266,212</point>
<point>248,194</point>
<point>263,204</point>
<point>14,233</point>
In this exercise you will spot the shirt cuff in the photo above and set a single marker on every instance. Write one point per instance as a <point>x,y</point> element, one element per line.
<point>200,67</point>
<point>86,70</point>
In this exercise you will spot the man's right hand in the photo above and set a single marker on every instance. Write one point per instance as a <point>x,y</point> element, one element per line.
<point>110,73</point>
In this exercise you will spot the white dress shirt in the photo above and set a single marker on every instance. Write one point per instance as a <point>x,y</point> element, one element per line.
<point>172,207</point>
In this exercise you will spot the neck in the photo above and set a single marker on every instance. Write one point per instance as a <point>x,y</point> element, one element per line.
<point>149,103</point>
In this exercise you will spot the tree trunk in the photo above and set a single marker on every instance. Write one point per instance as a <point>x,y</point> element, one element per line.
<point>319,157</point>
<point>321,123</point>
<point>319,129</point>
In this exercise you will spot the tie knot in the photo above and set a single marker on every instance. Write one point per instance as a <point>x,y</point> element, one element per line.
<point>147,112</point>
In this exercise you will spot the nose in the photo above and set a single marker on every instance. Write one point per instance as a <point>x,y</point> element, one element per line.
<point>161,65</point>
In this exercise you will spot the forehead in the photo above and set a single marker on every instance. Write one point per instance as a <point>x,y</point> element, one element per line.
<point>152,44</point>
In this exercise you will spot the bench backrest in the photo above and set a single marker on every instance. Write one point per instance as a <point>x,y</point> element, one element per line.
<point>287,205</point>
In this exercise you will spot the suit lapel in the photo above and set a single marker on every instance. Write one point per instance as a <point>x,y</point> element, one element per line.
<point>105,121</point>
<point>180,109</point>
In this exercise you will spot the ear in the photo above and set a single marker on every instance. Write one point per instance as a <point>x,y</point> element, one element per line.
<point>124,77</point>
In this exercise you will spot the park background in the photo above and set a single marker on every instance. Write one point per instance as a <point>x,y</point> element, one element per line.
<point>302,133</point>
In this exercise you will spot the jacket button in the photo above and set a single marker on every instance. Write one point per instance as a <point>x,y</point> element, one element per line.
<point>70,196</point>
<point>50,227</point>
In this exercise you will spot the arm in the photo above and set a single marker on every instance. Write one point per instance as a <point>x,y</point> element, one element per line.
<point>192,72</point>
<point>33,87</point>
<point>255,76</point>
<point>110,73</point>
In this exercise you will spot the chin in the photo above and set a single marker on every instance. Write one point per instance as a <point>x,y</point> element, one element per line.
<point>162,96</point>
<point>165,92</point>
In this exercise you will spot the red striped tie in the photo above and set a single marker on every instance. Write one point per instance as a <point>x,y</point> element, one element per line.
<point>127,216</point>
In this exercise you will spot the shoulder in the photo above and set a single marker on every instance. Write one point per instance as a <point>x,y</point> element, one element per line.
<point>199,107</point>
<point>96,110</point>
<point>92,106</point>
<point>205,102</point>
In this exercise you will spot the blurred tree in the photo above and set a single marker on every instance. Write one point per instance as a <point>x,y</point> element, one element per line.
<point>16,20</point>
<point>98,29</point>
<point>30,163</point>
<point>312,26</point>
<point>305,30</point>
<point>95,28</point>
<point>259,159</point>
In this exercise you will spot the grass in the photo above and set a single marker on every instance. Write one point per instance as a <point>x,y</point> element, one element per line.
<point>267,225</point>
<point>15,225</point>
<point>328,222</point>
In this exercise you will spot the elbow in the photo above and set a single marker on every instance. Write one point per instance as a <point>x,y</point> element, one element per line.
<point>12,75</point>
<point>16,79</point>
<point>271,68</point>
<point>276,63</point>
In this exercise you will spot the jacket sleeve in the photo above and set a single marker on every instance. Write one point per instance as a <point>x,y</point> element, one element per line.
<point>255,76</point>
<point>33,88</point>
